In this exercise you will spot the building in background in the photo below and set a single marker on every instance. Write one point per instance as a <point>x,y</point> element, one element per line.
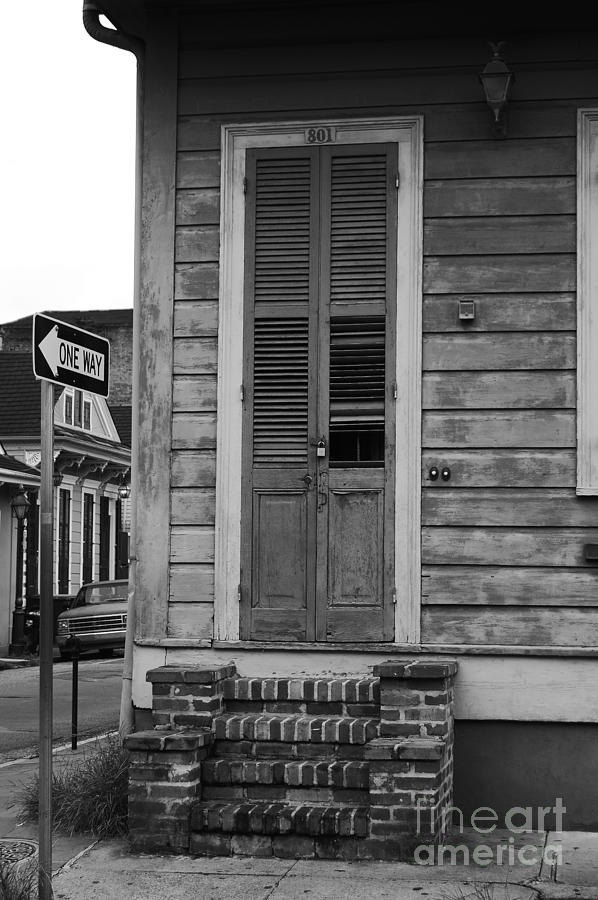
<point>91,466</point>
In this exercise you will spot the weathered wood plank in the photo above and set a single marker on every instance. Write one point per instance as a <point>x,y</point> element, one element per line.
<point>195,318</point>
<point>201,169</point>
<point>511,625</point>
<point>218,96</point>
<point>509,585</point>
<point>506,506</point>
<point>499,390</point>
<point>197,132</point>
<point>537,428</point>
<point>394,54</point>
<point>191,620</point>
<point>193,468</point>
<point>196,281</point>
<point>348,89</point>
<point>192,506</point>
<point>499,234</point>
<point>195,355</point>
<point>189,544</point>
<point>500,159</point>
<point>193,431</point>
<point>510,350</point>
<point>507,546</point>
<point>500,196</point>
<point>195,393</point>
<point>197,243</point>
<point>191,584</point>
<point>498,274</point>
<point>198,207</point>
<point>503,468</point>
<point>501,312</point>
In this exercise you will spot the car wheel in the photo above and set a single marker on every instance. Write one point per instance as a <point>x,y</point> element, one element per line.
<point>65,655</point>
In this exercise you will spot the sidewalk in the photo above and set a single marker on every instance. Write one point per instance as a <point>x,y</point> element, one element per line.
<point>107,870</point>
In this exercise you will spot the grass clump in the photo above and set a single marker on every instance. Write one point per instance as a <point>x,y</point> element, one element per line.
<point>19,882</point>
<point>88,794</point>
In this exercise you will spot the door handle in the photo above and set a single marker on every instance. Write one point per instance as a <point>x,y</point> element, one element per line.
<point>322,489</point>
<point>307,480</point>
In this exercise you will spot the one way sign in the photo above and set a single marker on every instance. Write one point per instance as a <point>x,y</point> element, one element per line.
<point>70,356</point>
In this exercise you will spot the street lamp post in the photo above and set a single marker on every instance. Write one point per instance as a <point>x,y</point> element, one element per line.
<point>19,506</point>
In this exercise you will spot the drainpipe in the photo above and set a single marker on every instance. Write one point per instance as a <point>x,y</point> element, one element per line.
<point>118,38</point>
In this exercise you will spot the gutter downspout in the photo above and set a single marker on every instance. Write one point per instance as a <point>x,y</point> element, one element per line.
<point>93,26</point>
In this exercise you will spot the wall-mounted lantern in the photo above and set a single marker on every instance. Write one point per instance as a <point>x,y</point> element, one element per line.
<point>124,491</point>
<point>57,479</point>
<point>496,80</point>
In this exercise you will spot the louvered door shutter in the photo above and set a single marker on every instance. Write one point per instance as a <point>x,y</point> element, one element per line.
<point>280,319</point>
<point>357,349</point>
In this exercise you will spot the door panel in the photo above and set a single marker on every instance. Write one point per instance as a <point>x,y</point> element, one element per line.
<point>318,464</point>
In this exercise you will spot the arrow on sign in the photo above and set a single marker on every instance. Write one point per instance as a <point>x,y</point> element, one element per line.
<point>62,354</point>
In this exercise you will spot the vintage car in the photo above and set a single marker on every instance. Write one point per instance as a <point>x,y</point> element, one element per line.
<point>97,619</point>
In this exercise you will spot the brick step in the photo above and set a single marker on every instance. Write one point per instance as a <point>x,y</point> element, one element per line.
<point>280,818</point>
<point>307,751</point>
<point>303,690</point>
<point>351,774</point>
<point>295,728</point>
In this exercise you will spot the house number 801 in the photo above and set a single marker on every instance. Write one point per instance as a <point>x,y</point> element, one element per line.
<point>321,135</point>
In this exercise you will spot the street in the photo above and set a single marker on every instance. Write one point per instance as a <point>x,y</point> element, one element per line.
<point>99,703</point>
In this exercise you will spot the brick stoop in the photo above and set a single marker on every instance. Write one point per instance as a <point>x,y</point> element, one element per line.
<point>341,768</point>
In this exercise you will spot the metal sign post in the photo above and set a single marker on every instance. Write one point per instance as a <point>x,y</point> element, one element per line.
<point>46,639</point>
<point>71,356</point>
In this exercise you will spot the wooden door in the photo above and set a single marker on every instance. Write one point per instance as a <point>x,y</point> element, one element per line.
<point>318,454</point>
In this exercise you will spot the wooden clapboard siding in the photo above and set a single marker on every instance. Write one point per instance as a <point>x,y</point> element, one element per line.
<point>501,312</point>
<point>517,625</point>
<point>192,583</point>
<point>502,541</point>
<point>486,468</point>
<point>194,393</point>
<point>195,318</point>
<point>498,274</point>
<point>499,428</point>
<point>518,196</point>
<point>193,431</point>
<point>481,234</point>
<point>198,170</point>
<point>195,355</point>
<point>199,243</point>
<point>498,390</point>
<point>190,619</point>
<point>191,468</point>
<point>192,506</point>
<point>198,206</point>
<point>196,281</point>
<point>508,507</point>
<point>192,544</point>
<point>507,546</point>
<point>508,158</point>
<point>508,350</point>
<point>509,586</point>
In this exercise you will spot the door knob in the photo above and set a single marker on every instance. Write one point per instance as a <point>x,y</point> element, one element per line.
<point>307,479</point>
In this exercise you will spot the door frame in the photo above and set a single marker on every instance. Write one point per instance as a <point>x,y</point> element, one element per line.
<point>407,132</point>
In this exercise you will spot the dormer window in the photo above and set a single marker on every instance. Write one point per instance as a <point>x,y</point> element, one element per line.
<point>68,409</point>
<point>77,410</point>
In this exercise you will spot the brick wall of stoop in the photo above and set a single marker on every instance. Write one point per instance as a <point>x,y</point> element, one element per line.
<point>311,767</point>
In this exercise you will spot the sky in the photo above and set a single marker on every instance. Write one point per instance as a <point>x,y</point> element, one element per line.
<point>67,163</point>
